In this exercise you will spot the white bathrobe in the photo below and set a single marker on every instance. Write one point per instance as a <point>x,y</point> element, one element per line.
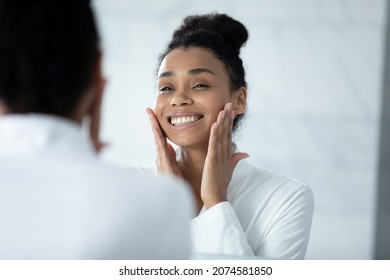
<point>265,216</point>
<point>58,201</point>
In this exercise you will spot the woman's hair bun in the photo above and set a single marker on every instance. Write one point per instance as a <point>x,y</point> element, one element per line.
<point>231,30</point>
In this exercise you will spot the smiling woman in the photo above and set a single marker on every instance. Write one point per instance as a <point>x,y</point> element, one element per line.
<point>201,98</point>
<point>193,87</point>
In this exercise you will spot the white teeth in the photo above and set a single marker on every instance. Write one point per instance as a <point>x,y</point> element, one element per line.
<point>179,121</point>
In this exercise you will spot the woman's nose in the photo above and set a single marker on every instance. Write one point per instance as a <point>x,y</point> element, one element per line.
<point>181,99</point>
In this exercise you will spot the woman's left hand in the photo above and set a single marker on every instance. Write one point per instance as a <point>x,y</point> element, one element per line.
<point>220,162</point>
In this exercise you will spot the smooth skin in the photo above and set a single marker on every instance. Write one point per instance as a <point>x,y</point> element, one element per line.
<point>193,82</point>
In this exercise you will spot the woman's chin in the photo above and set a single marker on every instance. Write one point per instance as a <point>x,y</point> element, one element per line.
<point>187,142</point>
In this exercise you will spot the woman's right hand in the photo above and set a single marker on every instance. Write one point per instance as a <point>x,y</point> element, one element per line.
<point>166,156</point>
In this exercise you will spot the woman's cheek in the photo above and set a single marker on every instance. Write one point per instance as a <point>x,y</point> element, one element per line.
<point>157,109</point>
<point>158,104</point>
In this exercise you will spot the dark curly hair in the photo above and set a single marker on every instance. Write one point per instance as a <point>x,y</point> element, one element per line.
<point>220,34</point>
<point>48,52</point>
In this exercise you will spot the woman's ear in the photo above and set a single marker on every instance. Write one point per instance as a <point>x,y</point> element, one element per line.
<point>98,71</point>
<point>239,100</point>
<point>90,101</point>
<point>97,90</point>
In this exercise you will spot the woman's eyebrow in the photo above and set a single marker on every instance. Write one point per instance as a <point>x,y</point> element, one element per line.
<point>200,70</point>
<point>194,71</point>
<point>166,74</point>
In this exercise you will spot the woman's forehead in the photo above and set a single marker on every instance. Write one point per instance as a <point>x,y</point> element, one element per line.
<point>191,58</point>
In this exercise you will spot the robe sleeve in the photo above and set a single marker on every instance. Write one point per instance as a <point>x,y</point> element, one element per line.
<point>218,231</point>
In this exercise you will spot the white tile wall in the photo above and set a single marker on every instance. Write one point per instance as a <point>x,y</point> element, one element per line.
<point>314,71</point>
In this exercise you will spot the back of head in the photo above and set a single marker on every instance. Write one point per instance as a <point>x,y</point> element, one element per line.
<point>48,52</point>
<point>220,34</point>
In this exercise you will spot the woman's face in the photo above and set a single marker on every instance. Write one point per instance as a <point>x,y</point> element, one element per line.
<point>192,88</point>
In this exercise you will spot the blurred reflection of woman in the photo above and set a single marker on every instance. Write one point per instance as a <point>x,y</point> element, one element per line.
<point>201,99</point>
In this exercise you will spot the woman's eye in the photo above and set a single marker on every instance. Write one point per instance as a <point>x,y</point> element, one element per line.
<point>200,86</point>
<point>165,89</point>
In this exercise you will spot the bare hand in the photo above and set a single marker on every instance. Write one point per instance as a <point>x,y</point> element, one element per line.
<point>166,156</point>
<point>220,162</point>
